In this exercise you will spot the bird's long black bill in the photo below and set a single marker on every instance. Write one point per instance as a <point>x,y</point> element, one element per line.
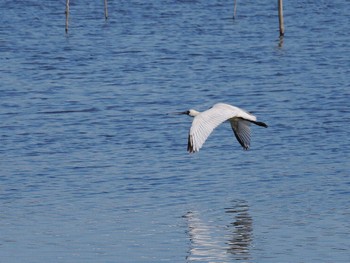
<point>177,113</point>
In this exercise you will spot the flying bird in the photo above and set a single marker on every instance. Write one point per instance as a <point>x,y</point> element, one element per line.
<point>205,122</point>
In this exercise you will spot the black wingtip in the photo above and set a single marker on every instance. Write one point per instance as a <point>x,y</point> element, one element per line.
<point>190,148</point>
<point>189,145</point>
<point>259,123</point>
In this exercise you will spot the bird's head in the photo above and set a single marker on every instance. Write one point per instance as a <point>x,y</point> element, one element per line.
<point>190,112</point>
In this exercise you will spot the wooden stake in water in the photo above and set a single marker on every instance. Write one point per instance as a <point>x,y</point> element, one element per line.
<point>106,10</point>
<point>234,9</point>
<point>280,17</point>
<point>67,14</point>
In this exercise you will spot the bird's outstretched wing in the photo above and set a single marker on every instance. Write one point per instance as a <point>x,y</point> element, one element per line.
<point>241,129</point>
<point>204,123</point>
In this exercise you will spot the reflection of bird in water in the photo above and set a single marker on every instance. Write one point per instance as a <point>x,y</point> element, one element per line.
<point>242,229</point>
<point>220,243</point>
<point>205,246</point>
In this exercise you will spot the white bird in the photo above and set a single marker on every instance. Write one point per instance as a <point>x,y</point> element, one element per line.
<point>205,122</point>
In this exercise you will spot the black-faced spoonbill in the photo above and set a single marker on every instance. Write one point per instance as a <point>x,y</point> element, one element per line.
<point>205,122</point>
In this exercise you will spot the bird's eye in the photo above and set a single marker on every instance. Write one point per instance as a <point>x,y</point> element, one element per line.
<point>188,112</point>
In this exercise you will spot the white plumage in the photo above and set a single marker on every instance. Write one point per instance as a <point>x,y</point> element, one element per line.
<point>205,122</point>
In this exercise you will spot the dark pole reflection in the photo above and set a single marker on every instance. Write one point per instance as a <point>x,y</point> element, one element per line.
<point>223,237</point>
<point>280,42</point>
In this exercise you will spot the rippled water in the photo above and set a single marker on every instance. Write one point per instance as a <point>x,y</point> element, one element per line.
<point>94,170</point>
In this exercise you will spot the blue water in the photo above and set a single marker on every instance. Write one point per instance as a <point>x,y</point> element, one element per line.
<point>94,170</point>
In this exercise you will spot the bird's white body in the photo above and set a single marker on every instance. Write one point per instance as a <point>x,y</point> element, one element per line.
<point>205,122</point>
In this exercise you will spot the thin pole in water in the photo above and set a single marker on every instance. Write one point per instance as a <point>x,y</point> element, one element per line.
<point>106,10</point>
<point>280,17</point>
<point>67,15</point>
<point>234,9</point>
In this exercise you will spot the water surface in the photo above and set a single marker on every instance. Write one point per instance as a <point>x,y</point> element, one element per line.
<point>94,170</point>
